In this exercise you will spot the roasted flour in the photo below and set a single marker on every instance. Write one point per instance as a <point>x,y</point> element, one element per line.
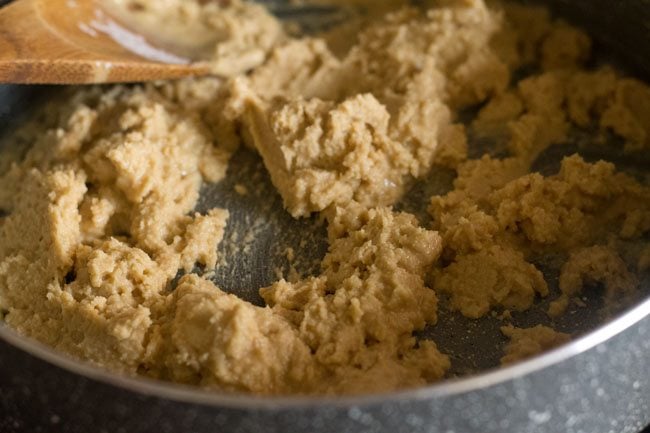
<point>99,211</point>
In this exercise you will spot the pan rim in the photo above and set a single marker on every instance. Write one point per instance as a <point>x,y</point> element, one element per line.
<point>446,388</point>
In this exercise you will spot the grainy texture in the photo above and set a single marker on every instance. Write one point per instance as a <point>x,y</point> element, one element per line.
<point>526,343</point>
<point>597,264</point>
<point>356,128</point>
<point>491,227</point>
<point>100,217</point>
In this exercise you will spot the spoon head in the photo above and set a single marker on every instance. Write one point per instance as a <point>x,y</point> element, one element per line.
<point>77,42</point>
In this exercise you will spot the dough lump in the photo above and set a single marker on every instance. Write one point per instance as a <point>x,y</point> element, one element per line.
<point>495,276</point>
<point>491,228</point>
<point>528,342</point>
<point>100,217</point>
<point>591,265</point>
<point>389,99</point>
<point>358,316</point>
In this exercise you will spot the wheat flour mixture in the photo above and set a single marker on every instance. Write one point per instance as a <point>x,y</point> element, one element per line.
<point>99,221</point>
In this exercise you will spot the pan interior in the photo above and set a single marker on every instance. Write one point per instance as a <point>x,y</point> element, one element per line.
<point>263,242</point>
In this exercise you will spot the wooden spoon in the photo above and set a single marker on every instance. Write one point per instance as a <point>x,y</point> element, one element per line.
<point>76,42</point>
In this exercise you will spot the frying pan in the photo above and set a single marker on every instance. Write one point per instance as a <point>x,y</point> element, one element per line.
<point>600,382</point>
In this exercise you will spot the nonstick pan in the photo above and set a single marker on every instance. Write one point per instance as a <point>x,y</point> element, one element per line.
<point>600,382</point>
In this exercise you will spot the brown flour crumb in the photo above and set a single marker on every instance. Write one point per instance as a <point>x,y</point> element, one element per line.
<point>216,340</point>
<point>495,276</point>
<point>590,265</point>
<point>526,343</point>
<point>538,114</point>
<point>629,115</point>
<point>361,162</point>
<point>241,189</point>
<point>107,223</point>
<point>643,263</point>
<point>489,228</point>
<point>370,296</point>
<point>356,128</point>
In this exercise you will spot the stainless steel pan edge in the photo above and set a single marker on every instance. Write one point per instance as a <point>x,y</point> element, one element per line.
<point>592,341</point>
<point>599,383</point>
